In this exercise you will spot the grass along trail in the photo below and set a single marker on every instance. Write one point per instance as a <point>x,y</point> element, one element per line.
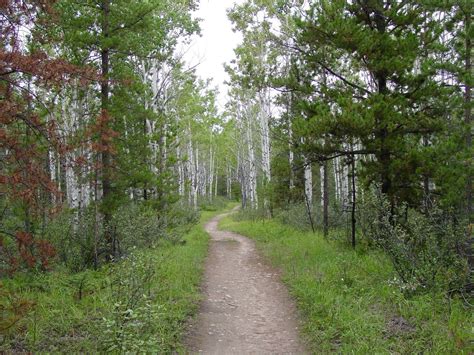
<point>112,314</point>
<point>246,309</point>
<point>349,300</point>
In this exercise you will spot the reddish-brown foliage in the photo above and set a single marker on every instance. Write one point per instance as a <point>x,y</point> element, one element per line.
<point>12,309</point>
<point>31,253</point>
<point>46,252</point>
<point>103,134</point>
<point>26,139</point>
<point>23,135</point>
<point>46,70</point>
<point>17,16</point>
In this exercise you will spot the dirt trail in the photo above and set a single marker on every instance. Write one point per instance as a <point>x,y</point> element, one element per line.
<point>246,309</point>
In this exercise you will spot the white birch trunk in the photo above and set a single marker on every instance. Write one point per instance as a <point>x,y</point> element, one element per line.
<point>180,172</point>
<point>265,141</point>
<point>228,180</point>
<point>336,179</point>
<point>321,175</point>
<point>252,167</point>
<point>291,156</point>
<point>345,182</point>
<point>197,178</point>
<point>308,183</point>
<point>211,173</point>
<point>216,180</point>
<point>191,168</point>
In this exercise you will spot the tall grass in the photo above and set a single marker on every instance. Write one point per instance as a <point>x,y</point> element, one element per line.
<point>351,301</point>
<point>138,304</point>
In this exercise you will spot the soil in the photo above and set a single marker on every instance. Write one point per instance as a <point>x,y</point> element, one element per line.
<point>246,309</point>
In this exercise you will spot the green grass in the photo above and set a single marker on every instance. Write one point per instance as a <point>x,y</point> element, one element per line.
<point>349,302</point>
<point>140,303</point>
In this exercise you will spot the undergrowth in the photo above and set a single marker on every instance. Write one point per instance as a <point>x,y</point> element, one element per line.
<point>139,304</point>
<point>216,203</point>
<point>351,301</point>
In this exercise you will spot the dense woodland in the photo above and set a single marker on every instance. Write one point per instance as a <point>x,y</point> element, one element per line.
<point>349,118</point>
<point>363,113</point>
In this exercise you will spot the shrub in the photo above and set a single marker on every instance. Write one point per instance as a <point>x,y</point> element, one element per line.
<point>296,215</point>
<point>73,233</point>
<point>250,214</point>
<point>217,203</point>
<point>130,325</point>
<point>77,235</point>
<point>13,310</point>
<point>424,247</point>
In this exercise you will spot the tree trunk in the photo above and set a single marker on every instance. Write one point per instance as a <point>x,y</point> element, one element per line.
<point>308,181</point>
<point>382,134</point>
<point>216,180</point>
<point>106,158</point>
<point>180,171</point>
<point>264,122</point>
<point>252,167</point>
<point>467,108</point>
<point>291,156</point>
<point>308,190</point>
<point>228,181</point>
<point>336,179</point>
<point>325,199</point>
<point>211,172</point>
<point>353,208</point>
<point>197,178</point>
<point>191,171</point>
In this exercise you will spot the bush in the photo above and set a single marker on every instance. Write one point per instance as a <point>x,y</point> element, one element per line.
<point>73,234</point>
<point>77,235</point>
<point>425,248</point>
<point>138,304</point>
<point>296,215</point>
<point>130,325</point>
<point>138,225</point>
<point>250,214</point>
<point>217,203</point>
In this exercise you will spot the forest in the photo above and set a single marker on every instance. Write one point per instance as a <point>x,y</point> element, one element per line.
<point>346,142</point>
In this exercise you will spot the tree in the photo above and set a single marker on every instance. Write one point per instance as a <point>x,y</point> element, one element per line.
<point>385,106</point>
<point>109,36</point>
<point>24,133</point>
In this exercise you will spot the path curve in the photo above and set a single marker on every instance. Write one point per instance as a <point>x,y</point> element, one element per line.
<point>246,308</point>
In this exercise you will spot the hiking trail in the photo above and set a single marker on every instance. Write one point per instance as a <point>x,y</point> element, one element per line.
<point>246,308</point>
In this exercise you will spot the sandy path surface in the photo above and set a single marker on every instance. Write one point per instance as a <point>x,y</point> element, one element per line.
<point>246,309</point>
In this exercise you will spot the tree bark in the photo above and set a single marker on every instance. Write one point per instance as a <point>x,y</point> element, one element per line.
<point>264,125</point>
<point>325,178</point>
<point>308,190</point>
<point>382,134</point>
<point>106,158</point>
<point>252,166</point>
<point>467,108</point>
<point>353,208</point>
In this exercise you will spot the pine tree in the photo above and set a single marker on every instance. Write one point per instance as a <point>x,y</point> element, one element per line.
<point>378,57</point>
<point>112,37</point>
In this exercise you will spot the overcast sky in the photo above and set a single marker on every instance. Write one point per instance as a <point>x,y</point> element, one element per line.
<point>215,46</point>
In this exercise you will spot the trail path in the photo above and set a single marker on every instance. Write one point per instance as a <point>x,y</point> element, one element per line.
<point>246,309</point>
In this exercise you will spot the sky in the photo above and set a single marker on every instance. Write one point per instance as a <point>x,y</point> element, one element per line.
<point>216,44</point>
